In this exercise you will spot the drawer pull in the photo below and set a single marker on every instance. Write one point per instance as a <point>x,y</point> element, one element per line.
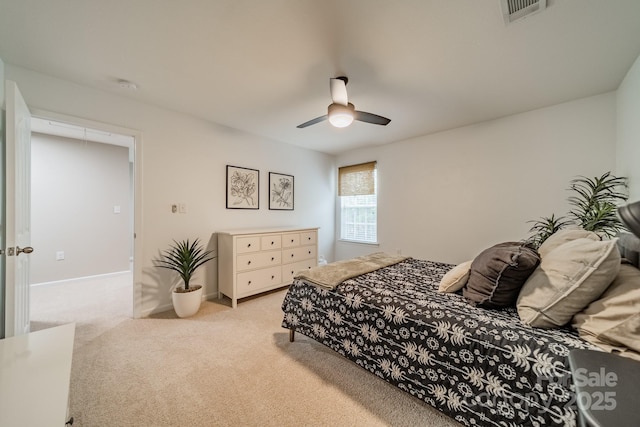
<point>292,272</point>
<point>291,240</point>
<point>249,245</point>
<point>309,252</point>
<point>249,282</point>
<point>272,258</point>
<point>308,238</point>
<point>249,262</point>
<point>273,243</point>
<point>291,255</point>
<point>273,277</point>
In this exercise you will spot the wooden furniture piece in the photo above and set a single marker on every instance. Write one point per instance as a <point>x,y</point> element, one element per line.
<point>607,388</point>
<point>255,261</point>
<point>35,371</point>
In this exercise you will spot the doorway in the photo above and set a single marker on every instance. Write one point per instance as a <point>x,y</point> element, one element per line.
<point>83,222</point>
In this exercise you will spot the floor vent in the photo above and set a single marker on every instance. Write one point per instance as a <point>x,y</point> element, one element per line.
<point>518,9</point>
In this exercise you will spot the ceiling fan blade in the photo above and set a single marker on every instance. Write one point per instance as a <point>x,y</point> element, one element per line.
<point>371,118</point>
<point>338,87</point>
<point>313,121</point>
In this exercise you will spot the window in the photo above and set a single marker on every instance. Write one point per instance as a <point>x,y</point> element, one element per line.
<point>358,203</point>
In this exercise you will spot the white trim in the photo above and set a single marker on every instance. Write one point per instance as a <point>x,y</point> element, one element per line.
<point>156,310</point>
<point>169,306</point>
<point>209,297</point>
<point>76,279</point>
<point>358,242</point>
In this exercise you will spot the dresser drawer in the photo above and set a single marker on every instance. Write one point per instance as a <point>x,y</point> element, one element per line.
<point>247,244</point>
<point>252,261</point>
<point>290,270</point>
<point>251,281</point>
<point>308,238</point>
<point>271,242</point>
<point>290,240</point>
<point>298,254</point>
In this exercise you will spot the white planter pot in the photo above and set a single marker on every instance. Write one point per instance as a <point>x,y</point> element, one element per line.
<point>187,303</point>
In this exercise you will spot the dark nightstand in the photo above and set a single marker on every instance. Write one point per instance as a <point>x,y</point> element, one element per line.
<point>607,388</point>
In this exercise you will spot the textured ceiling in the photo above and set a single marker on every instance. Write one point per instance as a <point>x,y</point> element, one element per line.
<point>263,66</point>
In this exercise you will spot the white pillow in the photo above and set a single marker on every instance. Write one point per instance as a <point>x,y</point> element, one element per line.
<point>456,278</point>
<point>563,236</point>
<point>612,322</point>
<point>568,279</point>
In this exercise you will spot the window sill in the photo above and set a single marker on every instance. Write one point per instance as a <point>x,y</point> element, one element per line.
<point>358,242</point>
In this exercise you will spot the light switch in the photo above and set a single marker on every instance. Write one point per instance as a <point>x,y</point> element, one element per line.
<point>182,208</point>
<point>116,209</point>
<point>59,255</point>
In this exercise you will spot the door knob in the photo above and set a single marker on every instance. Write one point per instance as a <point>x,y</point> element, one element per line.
<point>26,250</point>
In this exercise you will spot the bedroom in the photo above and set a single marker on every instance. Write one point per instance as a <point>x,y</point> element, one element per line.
<point>482,194</point>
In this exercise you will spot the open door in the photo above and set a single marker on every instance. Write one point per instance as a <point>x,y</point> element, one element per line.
<point>17,212</point>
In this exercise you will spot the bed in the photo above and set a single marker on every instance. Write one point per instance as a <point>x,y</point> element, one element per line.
<point>480,367</point>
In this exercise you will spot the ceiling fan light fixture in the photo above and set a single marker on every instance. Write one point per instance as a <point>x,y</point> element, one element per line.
<point>341,112</point>
<point>340,115</point>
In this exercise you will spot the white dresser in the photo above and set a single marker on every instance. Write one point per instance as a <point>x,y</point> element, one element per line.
<point>35,372</point>
<point>258,260</point>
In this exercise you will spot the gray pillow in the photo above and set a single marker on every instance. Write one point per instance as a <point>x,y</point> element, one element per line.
<point>498,273</point>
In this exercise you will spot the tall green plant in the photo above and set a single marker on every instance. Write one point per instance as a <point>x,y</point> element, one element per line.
<point>594,208</point>
<point>185,258</point>
<point>595,203</point>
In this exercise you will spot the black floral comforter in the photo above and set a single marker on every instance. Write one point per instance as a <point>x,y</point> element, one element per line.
<point>481,367</point>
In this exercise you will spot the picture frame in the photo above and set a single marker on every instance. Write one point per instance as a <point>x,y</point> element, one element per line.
<point>243,188</point>
<point>281,191</point>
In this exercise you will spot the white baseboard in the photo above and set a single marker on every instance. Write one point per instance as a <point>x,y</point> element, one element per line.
<point>213,295</point>
<point>167,307</point>
<point>156,310</point>
<point>75,279</point>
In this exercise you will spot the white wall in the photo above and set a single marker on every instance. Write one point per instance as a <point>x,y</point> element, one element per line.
<point>75,186</point>
<point>628,147</point>
<point>447,196</point>
<point>184,160</point>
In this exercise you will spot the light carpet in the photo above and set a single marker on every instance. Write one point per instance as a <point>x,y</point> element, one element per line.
<point>226,367</point>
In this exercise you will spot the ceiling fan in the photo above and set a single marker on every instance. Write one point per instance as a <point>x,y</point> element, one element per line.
<point>341,112</point>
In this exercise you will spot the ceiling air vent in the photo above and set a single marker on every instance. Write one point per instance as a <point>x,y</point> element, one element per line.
<point>513,10</point>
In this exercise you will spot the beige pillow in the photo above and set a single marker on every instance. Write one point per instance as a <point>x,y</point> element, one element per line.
<point>563,236</point>
<point>568,279</point>
<point>456,278</point>
<point>613,321</point>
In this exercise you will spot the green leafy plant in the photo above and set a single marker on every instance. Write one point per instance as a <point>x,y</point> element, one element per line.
<point>595,204</point>
<point>594,208</point>
<point>545,227</point>
<point>185,258</point>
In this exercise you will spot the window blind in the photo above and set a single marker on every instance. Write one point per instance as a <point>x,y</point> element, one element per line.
<point>357,180</point>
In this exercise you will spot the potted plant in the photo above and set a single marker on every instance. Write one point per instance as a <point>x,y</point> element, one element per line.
<point>185,258</point>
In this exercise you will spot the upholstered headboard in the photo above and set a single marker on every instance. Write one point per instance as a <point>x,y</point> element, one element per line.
<point>629,246</point>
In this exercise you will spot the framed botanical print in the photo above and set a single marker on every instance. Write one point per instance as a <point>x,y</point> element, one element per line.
<point>280,191</point>
<point>243,188</point>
